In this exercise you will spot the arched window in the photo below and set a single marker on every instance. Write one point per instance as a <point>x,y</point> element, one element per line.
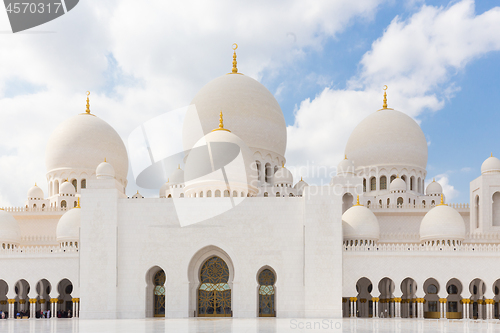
<point>269,171</point>
<point>400,202</point>
<point>368,204</point>
<point>75,184</point>
<point>214,292</point>
<point>277,194</point>
<point>477,211</point>
<point>412,181</point>
<point>267,294</point>
<point>266,194</point>
<point>259,170</point>
<point>364,184</point>
<point>419,183</point>
<point>235,194</point>
<point>217,193</point>
<point>423,203</point>
<point>43,205</point>
<point>83,183</point>
<point>388,202</point>
<point>496,209</point>
<point>74,204</point>
<point>209,194</point>
<point>373,184</point>
<point>63,204</point>
<point>433,203</point>
<point>159,293</point>
<point>393,177</point>
<point>242,194</point>
<point>201,194</point>
<point>226,193</point>
<point>383,183</point>
<point>290,195</point>
<point>181,195</point>
<point>380,203</point>
<point>56,187</point>
<point>169,196</point>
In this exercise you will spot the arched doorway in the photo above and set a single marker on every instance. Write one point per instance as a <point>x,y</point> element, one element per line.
<point>214,293</point>
<point>347,200</point>
<point>159,293</point>
<point>364,304</point>
<point>386,307</point>
<point>267,293</point>
<point>477,289</point>
<point>496,291</point>
<point>431,305</point>
<point>408,306</point>
<point>453,306</point>
<point>21,306</point>
<point>64,307</point>
<point>4,289</point>
<point>43,289</point>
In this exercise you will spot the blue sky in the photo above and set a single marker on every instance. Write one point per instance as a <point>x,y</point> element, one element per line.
<point>326,63</point>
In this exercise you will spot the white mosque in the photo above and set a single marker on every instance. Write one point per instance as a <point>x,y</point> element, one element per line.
<point>231,235</point>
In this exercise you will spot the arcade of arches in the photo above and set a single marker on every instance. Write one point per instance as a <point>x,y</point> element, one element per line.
<point>438,302</point>
<point>214,290</point>
<point>46,304</point>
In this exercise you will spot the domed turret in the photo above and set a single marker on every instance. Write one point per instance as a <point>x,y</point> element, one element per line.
<point>299,187</point>
<point>345,167</point>
<point>228,163</point>
<point>388,138</point>
<point>164,188</point>
<point>434,189</point>
<point>442,223</point>
<point>359,223</point>
<point>105,171</point>
<point>67,188</point>
<point>79,144</point>
<point>398,185</point>
<point>137,195</point>
<point>35,193</point>
<point>68,227</point>
<point>252,113</point>
<point>283,176</point>
<point>10,232</point>
<point>177,177</point>
<point>490,165</point>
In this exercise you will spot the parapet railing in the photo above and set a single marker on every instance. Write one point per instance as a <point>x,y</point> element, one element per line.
<point>377,206</point>
<point>422,248</point>
<point>36,209</point>
<point>39,250</point>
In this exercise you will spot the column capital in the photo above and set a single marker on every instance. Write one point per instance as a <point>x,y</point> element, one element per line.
<point>33,300</point>
<point>76,300</point>
<point>11,300</point>
<point>443,300</point>
<point>54,300</point>
<point>375,299</point>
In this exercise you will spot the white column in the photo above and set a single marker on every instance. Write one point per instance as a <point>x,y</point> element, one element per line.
<point>375,307</point>
<point>73,310</point>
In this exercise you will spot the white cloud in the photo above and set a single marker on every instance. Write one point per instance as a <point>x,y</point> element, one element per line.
<point>166,50</point>
<point>417,58</point>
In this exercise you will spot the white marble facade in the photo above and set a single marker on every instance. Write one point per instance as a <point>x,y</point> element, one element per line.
<point>373,243</point>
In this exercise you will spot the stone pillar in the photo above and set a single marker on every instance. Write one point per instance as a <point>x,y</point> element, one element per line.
<point>489,308</point>
<point>375,306</point>
<point>53,307</point>
<point>11,302</point>
<point>480,303</point>
<point>353,306</point>
<point>420,305</point>
<point>397,307</point>
<point>442,308</point>
<point>76,303</point>
<point>33,308</point>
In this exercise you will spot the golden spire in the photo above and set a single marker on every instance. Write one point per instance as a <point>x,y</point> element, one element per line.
<point>78,204</point>
<point>491,154</point>
<point>442,201</point>
<point>301,179</point>
<point>137,191</point>
<point>105,159</point>
<point>385,98</point>
<point>345,157</point>
<point>357,202</point>
<point>221,124</point>
<point>88,104</point>
<point>178,166</point>
<point>235,69</point>
<point>282,164</point>
<point>433,180</point>
<point>35,183</point>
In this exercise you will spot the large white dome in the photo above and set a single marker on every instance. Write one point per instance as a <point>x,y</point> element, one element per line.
<point>490,165</point>
<point>83,142</point>
<point>359,223</point>
<point>442,223</point>
<point>10,232</point>
<point>68,227</point>
<point>250,111</point>
<point>35,192</point>
<point>387,138</point>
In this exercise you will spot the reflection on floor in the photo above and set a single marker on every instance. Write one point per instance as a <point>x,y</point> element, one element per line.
<point>257,325</point>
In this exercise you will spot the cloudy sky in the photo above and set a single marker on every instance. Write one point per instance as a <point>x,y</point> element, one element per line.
<point>325,61</point>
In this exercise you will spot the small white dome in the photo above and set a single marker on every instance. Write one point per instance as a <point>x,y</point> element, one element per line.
<point>387,138</point>
<point>177,177</point>
<point>345,167</point>
<point>442,223</point>
<point>490,165</point>
<point>68,227</point>
<point>398,185</point>
<point>359,222</point>
<point>227,151</point>
<point>434,188</point>
<point>67,188</point>
<point>105,171</point>
<point>137,195</point>
<point>252,113</point>
<point>10,232</point>
<point>82,142</point>
<point>35,193</point>
<point>283,176</point>
<point>299,187</point>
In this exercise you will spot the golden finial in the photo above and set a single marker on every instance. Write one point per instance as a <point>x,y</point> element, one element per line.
<point>345,157</point>
<point>357,202</point>
<point>442,200</point>
<point>178,166</point>
<point>221,124</point>
<point>282,164</point>
<point>137,191</point>
<point>35,183</point>
<point>301,179</point>
<point>385,98</point>
<point>88,104</point>
<point>491,154</point>
<point>78,204</point>
<point>235,69</point>
<point>433,180</point>
<point>105,160</point>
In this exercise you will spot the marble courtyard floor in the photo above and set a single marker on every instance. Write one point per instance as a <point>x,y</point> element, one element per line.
<point>261,325</point>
